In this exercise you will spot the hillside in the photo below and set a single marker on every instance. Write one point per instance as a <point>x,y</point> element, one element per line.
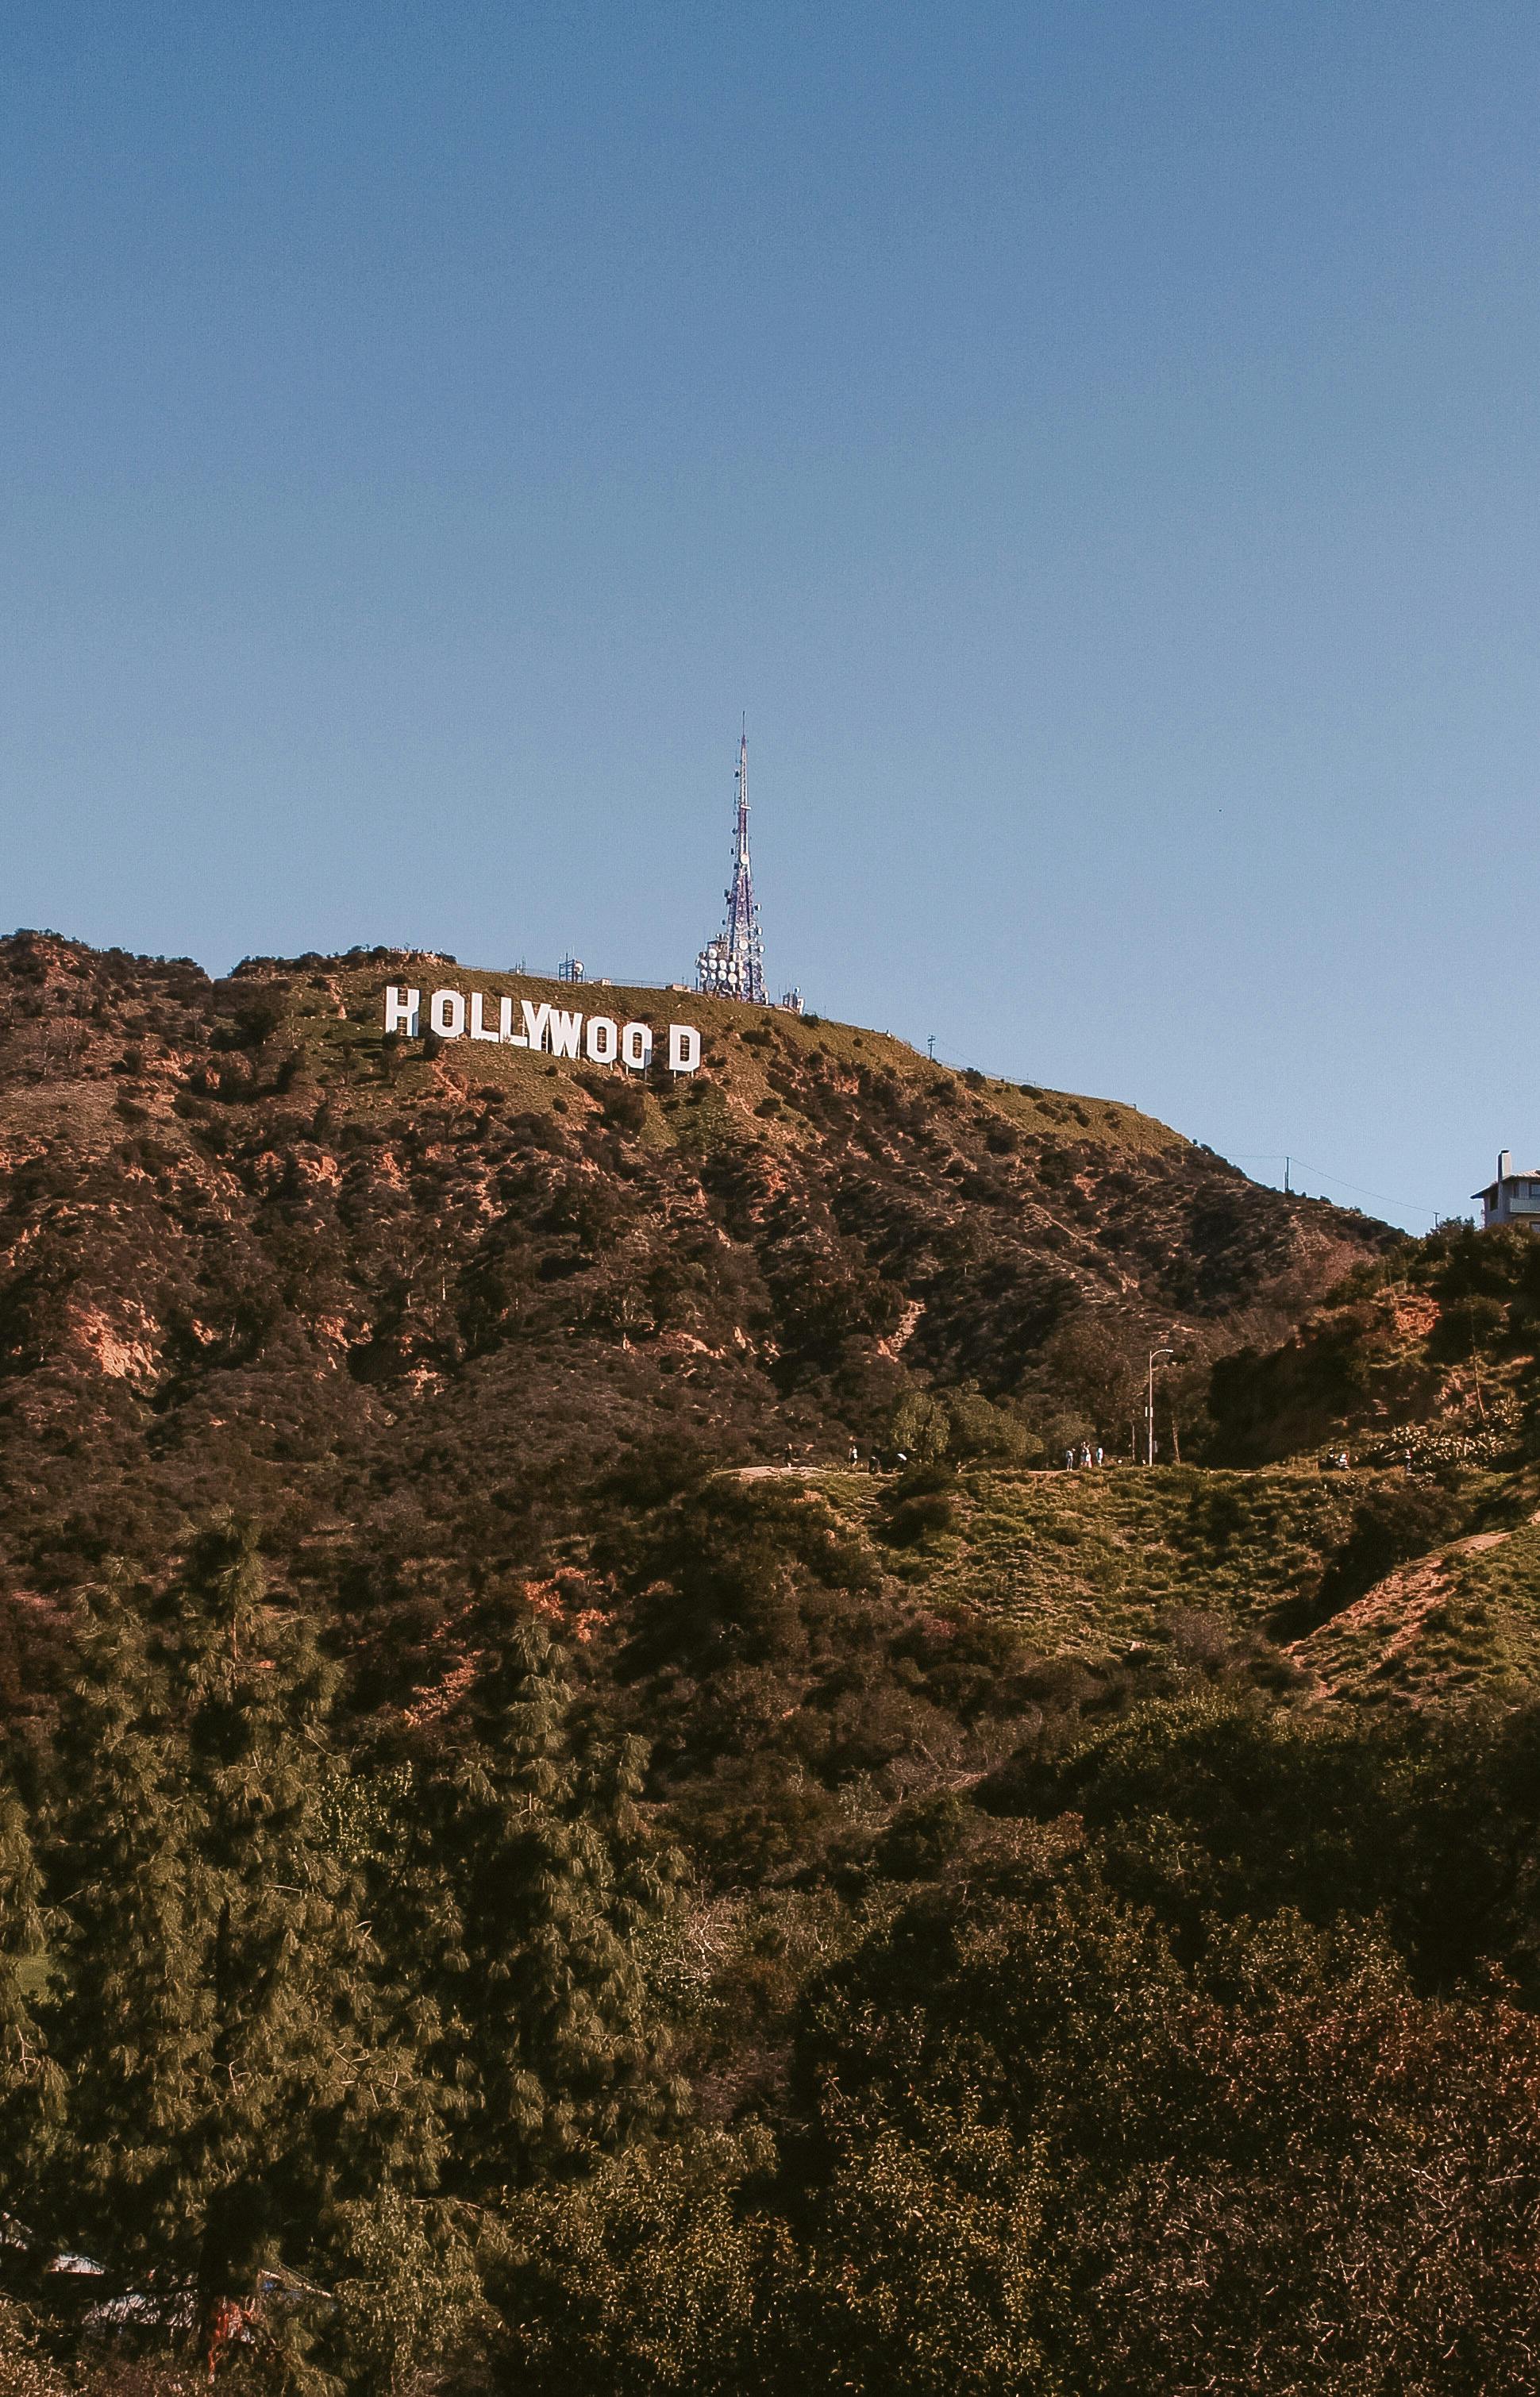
<point>520,1867</point>
<point>416,1298</point>
<point>1430,1348</point>
<point>1366,1587</point>
<point>1082,1564</point>
<point>1463,1621</point>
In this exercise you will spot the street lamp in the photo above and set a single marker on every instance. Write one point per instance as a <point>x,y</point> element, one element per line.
<point>1154,1354</point>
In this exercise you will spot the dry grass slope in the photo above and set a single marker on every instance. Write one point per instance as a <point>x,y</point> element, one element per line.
<point>1084,1563</point>
<point>1462,1622</point>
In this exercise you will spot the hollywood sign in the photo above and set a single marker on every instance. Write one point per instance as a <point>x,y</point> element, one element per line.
<point>453,1015</point>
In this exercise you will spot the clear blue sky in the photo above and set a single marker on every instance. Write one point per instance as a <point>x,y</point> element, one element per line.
<point>1096,445</point>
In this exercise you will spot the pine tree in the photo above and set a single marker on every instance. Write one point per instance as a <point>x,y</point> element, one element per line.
<point>130,2016</point>
<point>29,2078</point>
<point>557,1882</point>
<point>241,2074</point>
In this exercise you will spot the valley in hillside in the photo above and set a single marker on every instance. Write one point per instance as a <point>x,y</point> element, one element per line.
<point>523,1863</point>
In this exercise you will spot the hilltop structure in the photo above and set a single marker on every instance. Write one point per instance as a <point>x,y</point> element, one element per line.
<point>732,965</point>
<point>1512,1198</point>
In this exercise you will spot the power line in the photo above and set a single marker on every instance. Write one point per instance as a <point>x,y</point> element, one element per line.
<point>1281,1157</point>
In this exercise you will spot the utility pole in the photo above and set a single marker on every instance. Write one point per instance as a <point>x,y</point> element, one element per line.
<point>1149,1402</point>
<point>931,1044</point>
<point>1287,1163</point>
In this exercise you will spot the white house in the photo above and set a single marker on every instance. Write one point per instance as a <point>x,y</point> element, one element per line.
<point>1513,1197</point>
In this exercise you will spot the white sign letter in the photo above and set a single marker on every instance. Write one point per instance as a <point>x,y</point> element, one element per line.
<point>684,1047</point>
<point>478,1029</point>
<point>401,1013</point>
<point>604,1039</point>
<point>636,1047</point>
<point>447,1015</point>
<point>506,1025</point>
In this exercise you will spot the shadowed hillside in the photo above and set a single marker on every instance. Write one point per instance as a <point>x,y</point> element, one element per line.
<point>1429,1349</point>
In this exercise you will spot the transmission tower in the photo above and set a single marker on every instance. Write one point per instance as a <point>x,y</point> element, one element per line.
<point>732,966</point>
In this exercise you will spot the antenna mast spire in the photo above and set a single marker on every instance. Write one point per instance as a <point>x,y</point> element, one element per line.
<point>732,966</point>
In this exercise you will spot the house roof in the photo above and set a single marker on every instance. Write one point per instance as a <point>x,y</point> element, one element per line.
<point>1522,1174</point>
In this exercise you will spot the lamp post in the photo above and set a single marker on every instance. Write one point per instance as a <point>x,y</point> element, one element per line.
<point>1154,1354</point>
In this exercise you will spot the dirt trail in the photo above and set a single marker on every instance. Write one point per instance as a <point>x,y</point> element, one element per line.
<point>1388,1621</point>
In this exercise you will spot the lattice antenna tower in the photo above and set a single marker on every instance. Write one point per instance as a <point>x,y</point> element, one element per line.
<point>732,966</point>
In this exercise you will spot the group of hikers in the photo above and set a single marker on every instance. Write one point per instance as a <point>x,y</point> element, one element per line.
<point>1088,1457</point>
<point>878,1460</point>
